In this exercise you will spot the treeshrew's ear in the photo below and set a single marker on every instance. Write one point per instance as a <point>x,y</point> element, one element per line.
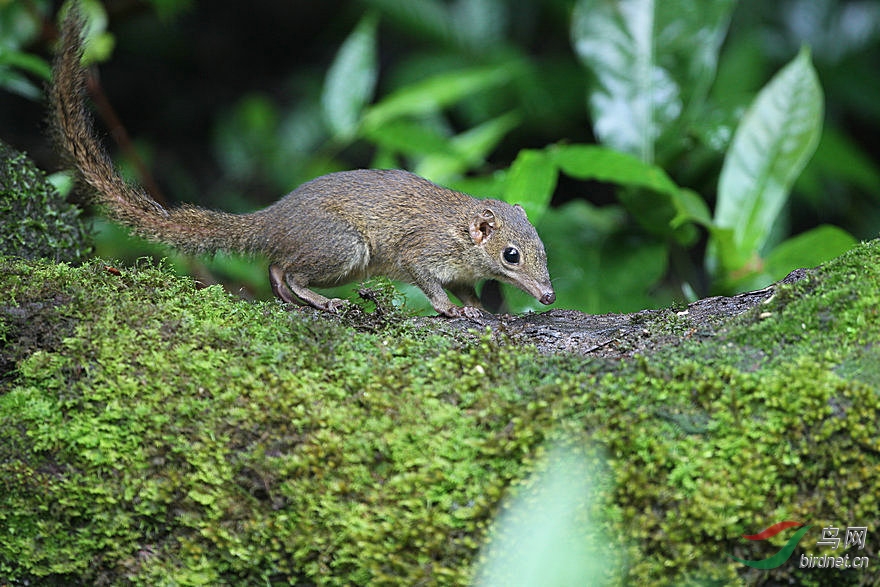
<point>482,226</point>
<point>521,209</point>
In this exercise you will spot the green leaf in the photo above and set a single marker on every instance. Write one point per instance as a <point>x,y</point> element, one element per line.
<point>63,181</point>
<point>351,79</point>
<point>476,143</point>
<point>25,61</point>
<point>435,93</point>
<point>653,63</point>
<point>658,202</point>
<point>464,24</point>
<point>385,159</point>
<point>531,182</point>
<point>808,249</point>
<point>773,142</point>
<point>691,207</point>
<point>630,268</point>
<point>742,72</point>
<point>410,138</point>
<point>608,165</point>
<point>471,148</point>
<point>13,81</point>
<point>98,43</point>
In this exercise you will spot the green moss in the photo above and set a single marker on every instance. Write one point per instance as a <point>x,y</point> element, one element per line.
<point>168,434</point>
<point>35,221</point>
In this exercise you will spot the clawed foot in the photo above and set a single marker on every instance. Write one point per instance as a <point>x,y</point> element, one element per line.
<point>465,312</point>
<point>334,305</point>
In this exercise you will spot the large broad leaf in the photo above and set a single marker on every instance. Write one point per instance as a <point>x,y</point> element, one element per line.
<point>603,164</point>
<point>440,157</point>
<point>775,139</point>
<point>653,63</point>
<point>351,80</point>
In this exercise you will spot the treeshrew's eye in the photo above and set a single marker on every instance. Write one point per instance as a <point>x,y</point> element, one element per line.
<point>511,255</point>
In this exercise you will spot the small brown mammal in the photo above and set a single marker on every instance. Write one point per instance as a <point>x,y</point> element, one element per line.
<point>335,229</point>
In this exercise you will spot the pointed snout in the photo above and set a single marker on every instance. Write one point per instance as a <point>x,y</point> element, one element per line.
<point>548,297</point>
<point>543,292</point>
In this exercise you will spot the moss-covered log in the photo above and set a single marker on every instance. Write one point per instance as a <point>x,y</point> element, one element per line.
<point>35,220</point>
<point>156,433</point>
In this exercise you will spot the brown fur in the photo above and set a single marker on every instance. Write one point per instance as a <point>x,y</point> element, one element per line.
<point>334,229</point>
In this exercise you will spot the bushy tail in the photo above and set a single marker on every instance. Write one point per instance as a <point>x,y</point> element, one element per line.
<point>189,228</point>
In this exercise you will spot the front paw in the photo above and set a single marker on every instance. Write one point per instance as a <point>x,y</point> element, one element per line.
<point>472,312</point>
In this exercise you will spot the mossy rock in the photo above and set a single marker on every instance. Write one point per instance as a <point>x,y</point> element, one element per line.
<point>164,434</point>
<point>35,221</point>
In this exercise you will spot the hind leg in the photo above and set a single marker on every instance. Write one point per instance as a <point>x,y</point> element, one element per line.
<point>310,257</point>
<point>279,288</point>
<point>286,287</point>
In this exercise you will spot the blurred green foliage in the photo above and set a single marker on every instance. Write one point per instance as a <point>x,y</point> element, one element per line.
<point>18,68</point>
<point>665,150</point>
<point>551,532</point>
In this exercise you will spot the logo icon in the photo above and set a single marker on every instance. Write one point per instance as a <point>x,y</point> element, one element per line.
<point>784,553</point>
